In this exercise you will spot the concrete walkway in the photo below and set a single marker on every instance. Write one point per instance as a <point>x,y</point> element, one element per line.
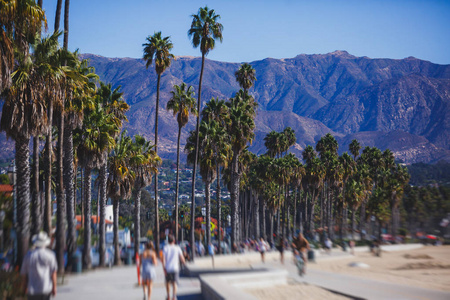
<point>121,283</point>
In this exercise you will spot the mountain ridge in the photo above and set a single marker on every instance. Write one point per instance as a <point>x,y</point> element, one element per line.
<point>403,103</point>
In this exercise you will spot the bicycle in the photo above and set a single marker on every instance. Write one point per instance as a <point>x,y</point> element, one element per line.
<point>299,262</point>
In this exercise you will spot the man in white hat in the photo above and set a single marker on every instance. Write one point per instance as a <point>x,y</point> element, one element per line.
<point>39,267</point>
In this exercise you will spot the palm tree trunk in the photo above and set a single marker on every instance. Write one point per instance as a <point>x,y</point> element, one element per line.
<point>362,219</point>
<point>137,219</point>
<point>70,196</point>
<point>58,15</point>
<point>48,173</point>
<point>271,216</point>
<point>311,212</point>
<point>61,204</point>
<point>234,195</point>
<point>294,215</point>
<point>36,201</point>
<point>116,231</point>
<point>177,183</point>
<point>345,222</point>
<point>208,211</point>
<point>66,24</point>
<point>22,186</point>
<point>353,222</point>
<point>197,128</point>
<point>156,232</point>
<point>87,263</point>
<point>219,210</point>
<point>102,222</point>
<point>263,219</point>
<point>256,222</point>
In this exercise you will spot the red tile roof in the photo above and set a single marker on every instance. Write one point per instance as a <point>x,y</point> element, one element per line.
<point>6,188</point>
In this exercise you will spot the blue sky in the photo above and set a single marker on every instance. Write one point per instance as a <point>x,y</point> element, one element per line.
<point>257,29</point>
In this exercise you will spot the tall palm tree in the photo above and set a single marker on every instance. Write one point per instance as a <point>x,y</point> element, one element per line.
<point>144,163</point>
<point>245,76</point>
<point>182,104</point>
<point>242,112</point>
<point>120,182</point>
<point>158,49</point>
<point>211,146</point>
<point>48,69</point>
<point>205,30</point>
<point>20,21</point>
<point>217,110</point>
<point>113,104</point>
<point>82,89</point>
<point>97,134</point>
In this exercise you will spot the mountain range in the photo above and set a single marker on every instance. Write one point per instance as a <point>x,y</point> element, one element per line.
<point>400,104</point>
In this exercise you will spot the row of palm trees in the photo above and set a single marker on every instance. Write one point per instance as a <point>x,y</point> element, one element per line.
<point>320,193</point>
<point>49,91</point>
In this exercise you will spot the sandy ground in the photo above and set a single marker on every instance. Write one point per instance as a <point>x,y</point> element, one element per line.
<point>427,267</point>
<point>294,290</point>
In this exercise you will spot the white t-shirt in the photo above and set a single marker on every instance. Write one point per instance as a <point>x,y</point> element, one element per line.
<point>172,255</point>
<point>39,265</point>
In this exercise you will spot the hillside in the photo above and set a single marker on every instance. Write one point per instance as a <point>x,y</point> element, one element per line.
<point>400,104</point>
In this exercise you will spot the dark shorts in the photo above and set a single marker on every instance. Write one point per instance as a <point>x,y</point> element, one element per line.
<point>39,297</point>
<point>171,277</point>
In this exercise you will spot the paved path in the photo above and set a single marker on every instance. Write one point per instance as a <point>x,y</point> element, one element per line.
<point>121,283</point>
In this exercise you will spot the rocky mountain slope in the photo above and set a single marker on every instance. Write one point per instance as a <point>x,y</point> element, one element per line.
<point>403,105</point>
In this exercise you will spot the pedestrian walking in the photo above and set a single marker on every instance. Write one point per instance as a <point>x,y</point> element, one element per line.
<point>148,263</point>
<point>211,253</point>
<point>172,255</point>
<point>39,269</point>
<point>262,247</point>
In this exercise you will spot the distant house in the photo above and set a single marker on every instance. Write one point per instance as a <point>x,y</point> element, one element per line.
<point>6,189</point>
<point>94,223</point>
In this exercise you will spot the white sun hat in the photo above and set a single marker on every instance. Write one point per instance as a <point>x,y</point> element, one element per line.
<point>41,240</point>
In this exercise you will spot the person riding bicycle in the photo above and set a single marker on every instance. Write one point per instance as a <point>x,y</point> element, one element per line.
<point>300,246</point>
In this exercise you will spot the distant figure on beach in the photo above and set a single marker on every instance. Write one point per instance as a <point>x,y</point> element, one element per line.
<point>300,246</point>
<point>172,255</point>
<point>211,253</point>
<point>148,263</point>
<point>282,245</point>
<point>39,269</point>
<point>352,247</point>
<point>328,245</point>
<point>262,247</point>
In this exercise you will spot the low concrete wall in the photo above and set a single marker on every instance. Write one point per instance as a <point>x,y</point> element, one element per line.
<point>230,286</point>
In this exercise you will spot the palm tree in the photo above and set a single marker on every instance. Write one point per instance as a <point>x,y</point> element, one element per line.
<point>245,76</point>
<point>211,150</point>
<point>20,21</point>
<point>272,143</point>
<point>217,110</point>
<point>205,30</point>
<point>144,163</point>
<point>83,89</point>
<point>182,104</point>
<point>242,112</point>
<point>120,182</point>
<point>354,148</point>
<point>113,104</point>
<point>158,49</point>
<point>97,134</point>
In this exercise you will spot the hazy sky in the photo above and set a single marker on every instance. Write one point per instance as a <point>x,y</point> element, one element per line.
<point>257,29</point>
